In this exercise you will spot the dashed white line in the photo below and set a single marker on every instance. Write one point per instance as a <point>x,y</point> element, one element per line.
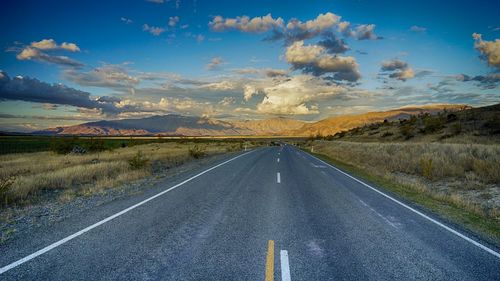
<point>285,266</point>
<point>473,242</point>
<point>278,177</point>
<point>76,234</point>
<point>278,160</point>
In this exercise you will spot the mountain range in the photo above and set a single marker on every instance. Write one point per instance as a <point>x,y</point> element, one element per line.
<point>179,125</point>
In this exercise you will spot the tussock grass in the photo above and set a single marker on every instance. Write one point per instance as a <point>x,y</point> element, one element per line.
<point>32,173</point>
<point>435,161</point>
<point>462,175</point>
<point>456,181</point>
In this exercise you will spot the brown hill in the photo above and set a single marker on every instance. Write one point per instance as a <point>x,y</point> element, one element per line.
<point>177,125</point>
<point>333,125</point>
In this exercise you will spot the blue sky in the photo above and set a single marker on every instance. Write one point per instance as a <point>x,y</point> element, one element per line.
<point>67,62</point>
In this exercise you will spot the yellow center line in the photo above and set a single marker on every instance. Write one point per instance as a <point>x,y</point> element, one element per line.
<point>270,261</point>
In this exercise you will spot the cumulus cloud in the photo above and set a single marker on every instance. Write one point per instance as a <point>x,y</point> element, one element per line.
<point>172,21</point>
<point>30,53</point>
<point>314,59</point>
<point>34,90</point>
<point>297,95</point>
<point>50,44</point>
<point>490,50</point>
<point>397,69</point>
<point>245,23</point>
<point>215,63</point>
<point>333,44</point>
<point>155,30</point>
<point>38,51</point>
<point>295,29</point>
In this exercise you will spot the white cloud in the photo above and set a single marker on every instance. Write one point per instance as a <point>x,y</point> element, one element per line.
<point>297,95</point>
<point>245,23</point>
<point>490,50</point>
<point>126,20</point>
<point>397,69</point>
<point>416,28</point>
<point>155,30</point>
<point>50,44</point>
<point>215,63</point>
<point>315,59</point>
<point>172,21</point>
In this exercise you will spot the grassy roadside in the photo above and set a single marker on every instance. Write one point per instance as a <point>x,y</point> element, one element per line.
<point>486,227</point>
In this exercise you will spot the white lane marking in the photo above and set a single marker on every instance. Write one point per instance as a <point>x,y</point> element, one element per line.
<point>470,240</point>
<point>278,160</point>
<point>76,234</point>
<point>380,215</point>
<point>278,177</point>
<point>285,266</point>
<point>323,172</point>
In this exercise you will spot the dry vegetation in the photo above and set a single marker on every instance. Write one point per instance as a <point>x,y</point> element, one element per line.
<point>467,175</point>
<point>24,176</point>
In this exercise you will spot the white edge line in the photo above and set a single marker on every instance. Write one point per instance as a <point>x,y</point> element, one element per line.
<point>285,266</point>
<point>470,240</point>
<point>76,234</point>
<point>278,177</point>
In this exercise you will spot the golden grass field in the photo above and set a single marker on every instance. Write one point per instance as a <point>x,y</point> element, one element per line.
<point>467,175</point>
<point>25,175</point>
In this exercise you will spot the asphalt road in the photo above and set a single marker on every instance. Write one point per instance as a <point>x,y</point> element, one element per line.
<point>252,218</point>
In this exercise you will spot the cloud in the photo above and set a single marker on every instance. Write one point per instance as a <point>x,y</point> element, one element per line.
<point>172,21</point>
<point>108,75</point>
<point>50,44</point>
<point>314,59</point>
<point>155,30</point>
<point>360,32</point>
<point>30,53</point>
<point>227,101</point>
<point>490,50</point>
<point>418,29</point>
<point>126,20</point>
<point>156,1</point>
<point>33,90</point>
<point>297,95</point>
<point>490,81</point>
<point>397,69</point>
<point>36,51</point>
<point>215,63</point>
<point>275,72</point>
<point>245,24</point>
<point>333,44</point>
<point>394,65</point>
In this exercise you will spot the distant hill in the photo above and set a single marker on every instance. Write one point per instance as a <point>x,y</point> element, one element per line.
<point>178,125</point>
<point>480,125</point>
<point>336,124</point>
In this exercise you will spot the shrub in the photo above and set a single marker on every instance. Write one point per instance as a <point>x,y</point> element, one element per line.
<point>406,131</point>
<point>433,124</point>
<point>138,161</point>
<point>426,167</point>
<point>387,134</point>
<point>197,152</point>
<point>63,145</point>
<point>5,184</point>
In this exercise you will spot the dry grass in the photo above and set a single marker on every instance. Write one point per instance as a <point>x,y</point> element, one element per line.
<point>86,174</point>
<point>451,172</point>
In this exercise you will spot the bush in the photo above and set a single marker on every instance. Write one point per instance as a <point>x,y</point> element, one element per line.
<point>406,131</point>
<point>426,167</point>
<point>96,145</point>
<point>197,152</point>
<point>63,145</point>
<point>138,161</point>
<point>5,184</point>
<point>433,124</point>
<point>387,134</point>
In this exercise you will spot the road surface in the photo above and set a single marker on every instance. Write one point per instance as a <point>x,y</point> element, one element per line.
<point>274,213</point>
